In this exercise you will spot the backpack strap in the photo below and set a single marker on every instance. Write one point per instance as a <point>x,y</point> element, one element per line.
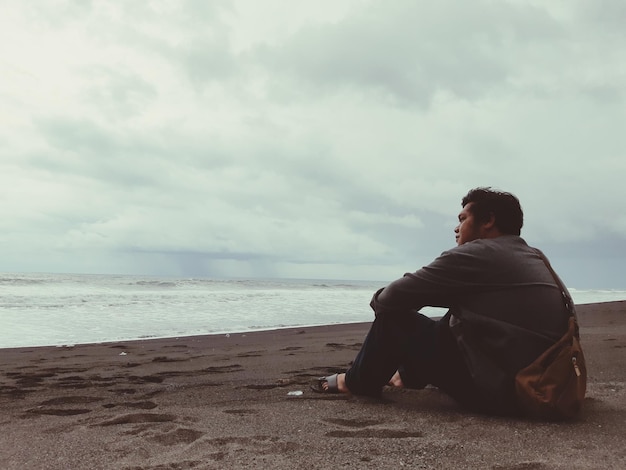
<point>567,298</point>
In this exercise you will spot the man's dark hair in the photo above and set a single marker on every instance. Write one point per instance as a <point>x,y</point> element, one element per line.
<point>505,207</point>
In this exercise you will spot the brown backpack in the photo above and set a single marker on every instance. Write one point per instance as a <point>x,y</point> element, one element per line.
<point>553,386</point>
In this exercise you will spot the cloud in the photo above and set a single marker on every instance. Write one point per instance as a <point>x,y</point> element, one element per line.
<point>327,140</point>
<point>407,52</point>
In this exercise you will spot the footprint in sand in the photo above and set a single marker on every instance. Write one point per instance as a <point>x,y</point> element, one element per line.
<point>375,433</point>
<point>145,378</point>
<point>73,382</point>
<point>366,431</point>
<point>71,400</point>
<point>240,412</point>
<point>522,466</point>
<point>251,354</point>
<point>179,436</point>
<point>144,405</point>
<point>353,423</point>
<point>354,346</point>
<point>262,386</point>
<point>224,369</point>
<point>47,407</point>
<point>59,411</point>
<point>29,380</point>
<point>167,359</point>
<point>123,391</point>
<point>139,418</point>
<point>14,392</point>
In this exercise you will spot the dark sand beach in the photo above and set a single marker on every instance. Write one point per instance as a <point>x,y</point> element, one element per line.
<point>223,402</point>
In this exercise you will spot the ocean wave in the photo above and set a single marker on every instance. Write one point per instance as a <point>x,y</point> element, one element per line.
<point>157,284</point>
<point>21,281</point>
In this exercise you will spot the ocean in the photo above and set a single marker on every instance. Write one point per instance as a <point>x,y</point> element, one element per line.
<point>67,309</point>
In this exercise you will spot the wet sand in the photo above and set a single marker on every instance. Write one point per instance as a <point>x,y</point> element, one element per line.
<point>224,402</point>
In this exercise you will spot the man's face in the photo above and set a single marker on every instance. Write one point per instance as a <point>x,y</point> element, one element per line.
<point>468,229</point>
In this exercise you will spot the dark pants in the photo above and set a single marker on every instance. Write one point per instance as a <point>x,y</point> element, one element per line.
<point>422,349</point>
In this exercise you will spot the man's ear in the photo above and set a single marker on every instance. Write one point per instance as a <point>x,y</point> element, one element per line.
<point>491,223</point>
<point>489,228</point>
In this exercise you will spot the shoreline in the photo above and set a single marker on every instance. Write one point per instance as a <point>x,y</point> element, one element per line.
<point>217,401</point>
<point>180,337</point>
<point>199,337</point>
<point>232,332</point>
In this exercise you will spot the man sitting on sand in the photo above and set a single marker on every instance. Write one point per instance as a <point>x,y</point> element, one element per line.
<point>493,278</point>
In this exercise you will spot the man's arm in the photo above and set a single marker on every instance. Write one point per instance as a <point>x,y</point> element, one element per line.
<point>455,273</point>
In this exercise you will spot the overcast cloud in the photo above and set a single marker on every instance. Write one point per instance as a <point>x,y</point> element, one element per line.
<point>328,139</point>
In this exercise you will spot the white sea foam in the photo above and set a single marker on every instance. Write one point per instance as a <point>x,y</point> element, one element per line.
<point>59,309</point>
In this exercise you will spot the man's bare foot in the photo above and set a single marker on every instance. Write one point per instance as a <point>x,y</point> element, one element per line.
<point>396,380</point>
<point>341,384</point>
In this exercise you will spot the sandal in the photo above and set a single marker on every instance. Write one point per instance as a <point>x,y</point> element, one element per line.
<point>331,386</point>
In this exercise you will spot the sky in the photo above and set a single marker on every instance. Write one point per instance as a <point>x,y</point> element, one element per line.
<point>330,139</point>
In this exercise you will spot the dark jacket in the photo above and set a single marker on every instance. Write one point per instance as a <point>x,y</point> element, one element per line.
<point>505,307</point>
